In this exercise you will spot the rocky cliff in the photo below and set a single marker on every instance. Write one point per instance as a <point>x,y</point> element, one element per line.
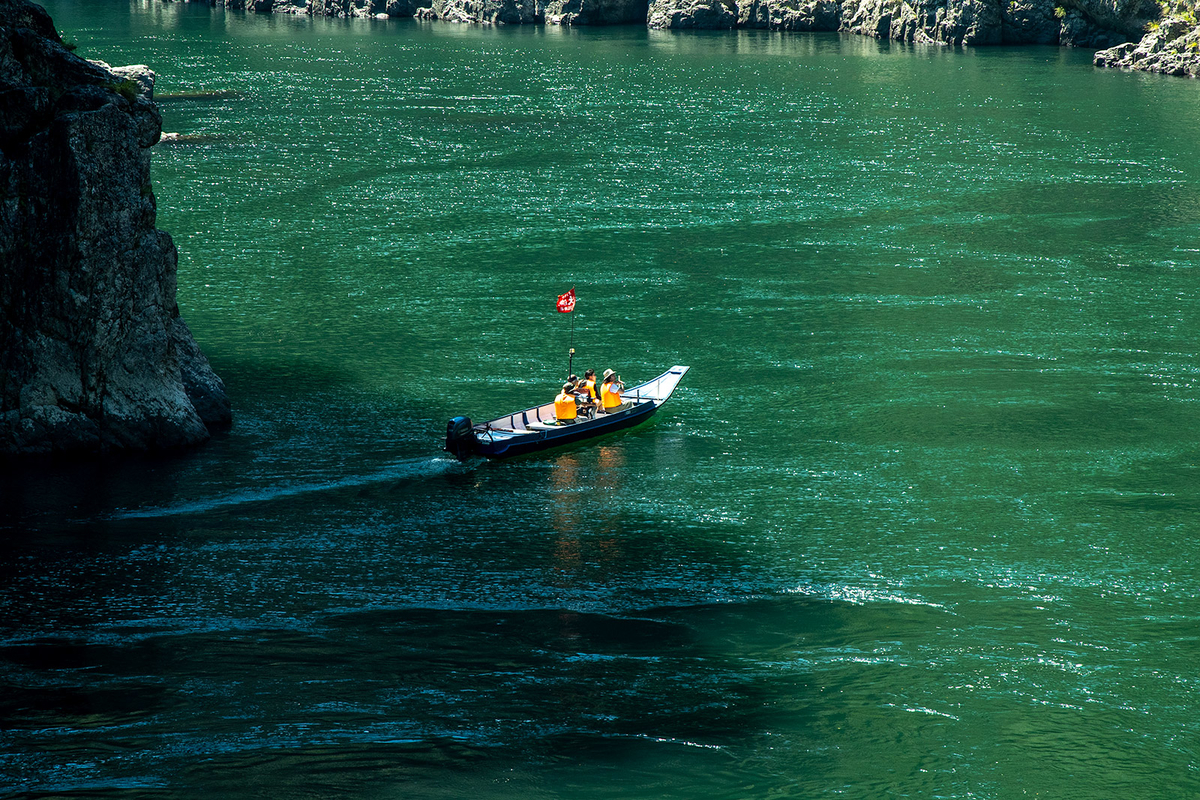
<point>1169,46</point>
<point>93,353</point>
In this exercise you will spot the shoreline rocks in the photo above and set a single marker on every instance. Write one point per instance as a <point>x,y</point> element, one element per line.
<point>1171,47</point>
<point>1129,29</point>
<point>93,353</point>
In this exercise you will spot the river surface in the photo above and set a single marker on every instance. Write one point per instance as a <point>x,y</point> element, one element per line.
<point>923,520</point>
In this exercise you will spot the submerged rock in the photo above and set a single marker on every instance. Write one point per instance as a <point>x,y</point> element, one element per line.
<point>93,353</point>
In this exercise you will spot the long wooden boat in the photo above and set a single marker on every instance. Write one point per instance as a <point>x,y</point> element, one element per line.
<point>534,429</point>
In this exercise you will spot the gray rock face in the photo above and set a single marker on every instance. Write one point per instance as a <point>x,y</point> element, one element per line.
<point>963,22</point>
<point>396,8</point>
<point>943,22</point>
<point>693,14</point>
<point>335,8</point>
<point>492,12</point>
<point>1125,18</point>
<point>790,15</point>
<point>594,12</point>
<point>1086,23</point>
<point>1029,22</point>
<point>1080,30</point>
<point>93,354</point>
<point>322,8</point>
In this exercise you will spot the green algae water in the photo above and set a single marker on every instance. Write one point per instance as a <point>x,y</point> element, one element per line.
<point>922,521</point>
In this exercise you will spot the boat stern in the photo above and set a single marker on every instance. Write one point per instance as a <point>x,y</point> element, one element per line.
<point>460,438</point>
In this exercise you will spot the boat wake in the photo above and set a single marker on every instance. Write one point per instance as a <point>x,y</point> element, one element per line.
<point>416,468</point>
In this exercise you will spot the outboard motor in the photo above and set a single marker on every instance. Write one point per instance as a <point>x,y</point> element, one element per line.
<point>460,438</point>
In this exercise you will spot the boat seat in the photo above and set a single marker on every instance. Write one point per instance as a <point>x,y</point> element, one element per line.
<point>617,410</point>
<point>545,426</point>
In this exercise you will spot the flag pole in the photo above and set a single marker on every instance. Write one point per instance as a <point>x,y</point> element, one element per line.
<point>571,350</point>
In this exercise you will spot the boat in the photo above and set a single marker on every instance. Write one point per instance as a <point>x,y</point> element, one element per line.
<point>536,428</point>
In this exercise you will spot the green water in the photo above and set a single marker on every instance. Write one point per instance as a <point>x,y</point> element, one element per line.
<point>922,521</point>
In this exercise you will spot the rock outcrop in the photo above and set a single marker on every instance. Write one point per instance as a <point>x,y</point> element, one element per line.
<point>93,353</point>
<point>1172,46</point>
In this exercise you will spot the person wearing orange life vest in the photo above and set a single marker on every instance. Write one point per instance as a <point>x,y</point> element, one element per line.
<point>592,399</point>
<point>582,401</point>
<point>565,410</point>
<point>610,391</point>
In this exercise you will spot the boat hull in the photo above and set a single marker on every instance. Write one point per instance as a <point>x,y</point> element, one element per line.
<point>566,434</point>
<point>535,429</point>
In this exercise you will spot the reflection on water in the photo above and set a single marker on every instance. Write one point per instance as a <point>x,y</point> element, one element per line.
<point>586,512</point>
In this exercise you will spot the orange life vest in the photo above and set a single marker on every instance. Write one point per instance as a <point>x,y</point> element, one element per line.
<point>564,406</point>
<point>591,388</point>
<point>611,393</point>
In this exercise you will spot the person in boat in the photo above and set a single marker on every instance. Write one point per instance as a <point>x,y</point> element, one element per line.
<point>610,392</point>
<point>590,399</point>
<point>579,392</point>
<point>565,408</point>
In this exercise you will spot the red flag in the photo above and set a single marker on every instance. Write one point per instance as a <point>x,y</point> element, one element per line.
<point>566,302</point>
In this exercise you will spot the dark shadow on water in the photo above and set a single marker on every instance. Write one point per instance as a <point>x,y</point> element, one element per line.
<point>444,701</point>
<point>298,428</point>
